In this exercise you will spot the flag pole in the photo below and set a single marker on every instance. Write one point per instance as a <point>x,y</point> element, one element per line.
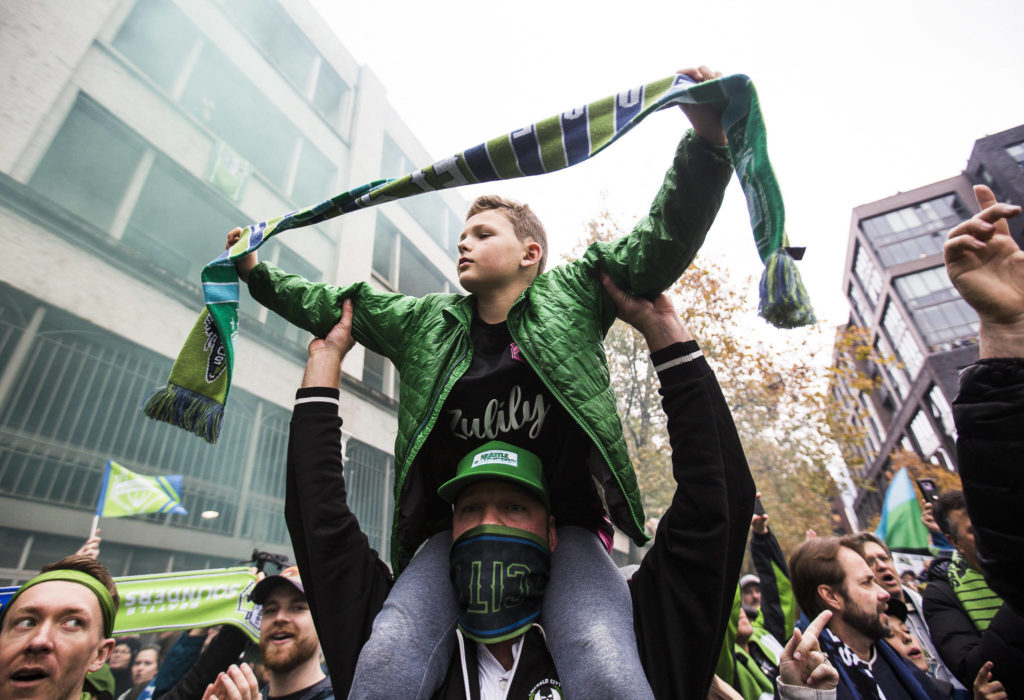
<point>95,525</point>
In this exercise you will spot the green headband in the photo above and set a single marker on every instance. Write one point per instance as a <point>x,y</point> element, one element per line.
<point>74,576</point>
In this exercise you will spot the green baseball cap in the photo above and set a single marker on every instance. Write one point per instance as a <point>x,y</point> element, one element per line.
<point>498,460</point>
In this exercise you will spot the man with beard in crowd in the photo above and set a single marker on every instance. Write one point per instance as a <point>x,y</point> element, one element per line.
<point>289,647</point>
<point>829,574</point>
<point>879,558</point>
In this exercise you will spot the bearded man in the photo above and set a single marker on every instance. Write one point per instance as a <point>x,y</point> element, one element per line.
<point>829,574</point>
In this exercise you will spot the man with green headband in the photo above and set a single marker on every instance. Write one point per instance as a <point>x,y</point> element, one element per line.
<point>57,628</point>
<point>503,535</point>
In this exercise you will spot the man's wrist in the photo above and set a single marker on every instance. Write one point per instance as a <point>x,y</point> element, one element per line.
<point>664,332</point>
<point>323,368</point>
<point>1000,340</point>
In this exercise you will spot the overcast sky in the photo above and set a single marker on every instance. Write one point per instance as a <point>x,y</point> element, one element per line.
<point>861,100</point>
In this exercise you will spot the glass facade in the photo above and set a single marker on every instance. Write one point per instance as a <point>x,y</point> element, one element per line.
<point>939,313</point>
<point>913,232</point>
<point>1016,151</point>
<point>907,350</point>
<point>923,432</point>
<point>868,274</point>
<point>221,97</point>
<point>73,404</point>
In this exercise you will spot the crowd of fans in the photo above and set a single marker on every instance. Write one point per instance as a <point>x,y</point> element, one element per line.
<point>833,619</point>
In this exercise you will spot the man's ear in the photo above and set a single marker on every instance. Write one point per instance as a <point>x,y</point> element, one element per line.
<point>103,652</point>
<point>552,533</point>
<point>830,597</point>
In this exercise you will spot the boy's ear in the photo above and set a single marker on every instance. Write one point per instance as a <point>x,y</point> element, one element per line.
<point>532,253</point>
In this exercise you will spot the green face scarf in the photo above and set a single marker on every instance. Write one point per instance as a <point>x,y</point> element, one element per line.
<point>99,590</point>
<point>197,389</point>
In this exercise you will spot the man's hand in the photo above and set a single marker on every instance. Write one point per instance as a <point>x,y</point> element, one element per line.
<point>987,268</point>
<point>759,523</point>
<point>323,368</point>
<point>91,548</point>
<point>243,265</point>
<point>803,662</point>
<point>706,120</point>
<point>657,320</point>
<point>928,519</point>
<point>985,688</point>
<point>237,683</point>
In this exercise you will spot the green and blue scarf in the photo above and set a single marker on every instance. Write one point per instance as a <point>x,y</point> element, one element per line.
<point>200,380</point>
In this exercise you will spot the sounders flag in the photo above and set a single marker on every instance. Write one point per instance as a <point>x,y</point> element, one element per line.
<point>901,525</point>
<point>126,493</point>
<point>182,600</point>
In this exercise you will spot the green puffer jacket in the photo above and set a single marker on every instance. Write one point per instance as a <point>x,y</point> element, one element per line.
<point>558,323</point>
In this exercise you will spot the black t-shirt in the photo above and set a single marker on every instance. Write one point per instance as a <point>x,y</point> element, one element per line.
<point>500,397</point>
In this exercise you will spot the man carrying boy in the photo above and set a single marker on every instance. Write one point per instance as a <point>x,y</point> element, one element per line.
<point>681,594</point>
<point>521,360</point>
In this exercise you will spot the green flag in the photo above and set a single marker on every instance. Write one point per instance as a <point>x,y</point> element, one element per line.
<point>901,525</point>
<point>126,493</point>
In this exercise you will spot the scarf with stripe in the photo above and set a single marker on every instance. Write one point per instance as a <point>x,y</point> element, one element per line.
<point>977,599</point>
<point>200,380</point>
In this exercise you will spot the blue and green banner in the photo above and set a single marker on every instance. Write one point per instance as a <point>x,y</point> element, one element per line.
<point>901,525</point>
<point>126,493</point>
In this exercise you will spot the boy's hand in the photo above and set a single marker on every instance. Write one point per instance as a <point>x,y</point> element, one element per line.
<point>657,320</point>
<point>91,548</point>
<point>243,265</point>
<point>706,120</point>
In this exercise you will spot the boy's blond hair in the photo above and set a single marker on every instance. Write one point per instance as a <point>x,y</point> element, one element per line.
<point>524,222</point>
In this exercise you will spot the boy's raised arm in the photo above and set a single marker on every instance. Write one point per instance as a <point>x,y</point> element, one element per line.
<point>664,243</point>
<point>380,317</point>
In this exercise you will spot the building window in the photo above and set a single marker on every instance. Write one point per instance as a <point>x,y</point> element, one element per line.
<point>900,335</point>
<point>375,371</point>
<point>923,432</point>
<point>157,37</point>
<point>314,178</point>
<point>89,164</point>
<point>868,275</point>
<point>75,402</point>
<point>942,410</point>
<point>897,377</point>
<point>329,95</point>
<point>429,211</point>
<point>864,315</point>
<point>942,317</point>
<point>403,268</point>
<point>368,477</point>
<point>1016,151</point>
<point>287,259</point>
<point>913,232</point>
<point>277,36</point>
<point>178,222</point>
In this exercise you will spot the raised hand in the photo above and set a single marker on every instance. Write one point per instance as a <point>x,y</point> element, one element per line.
<point>243,265</point>
<point>803,662</point>
<point>657,320</point>
<point>986,266</point>
<point>706,120</point>
<point>323,368</point>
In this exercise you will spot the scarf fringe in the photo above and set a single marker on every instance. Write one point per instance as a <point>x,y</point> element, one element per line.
<point>186,409</point>
<point>783,299</point>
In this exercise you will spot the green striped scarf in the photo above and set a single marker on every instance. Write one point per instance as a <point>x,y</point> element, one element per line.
<point>197,390</point>
<point>977,599</point>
